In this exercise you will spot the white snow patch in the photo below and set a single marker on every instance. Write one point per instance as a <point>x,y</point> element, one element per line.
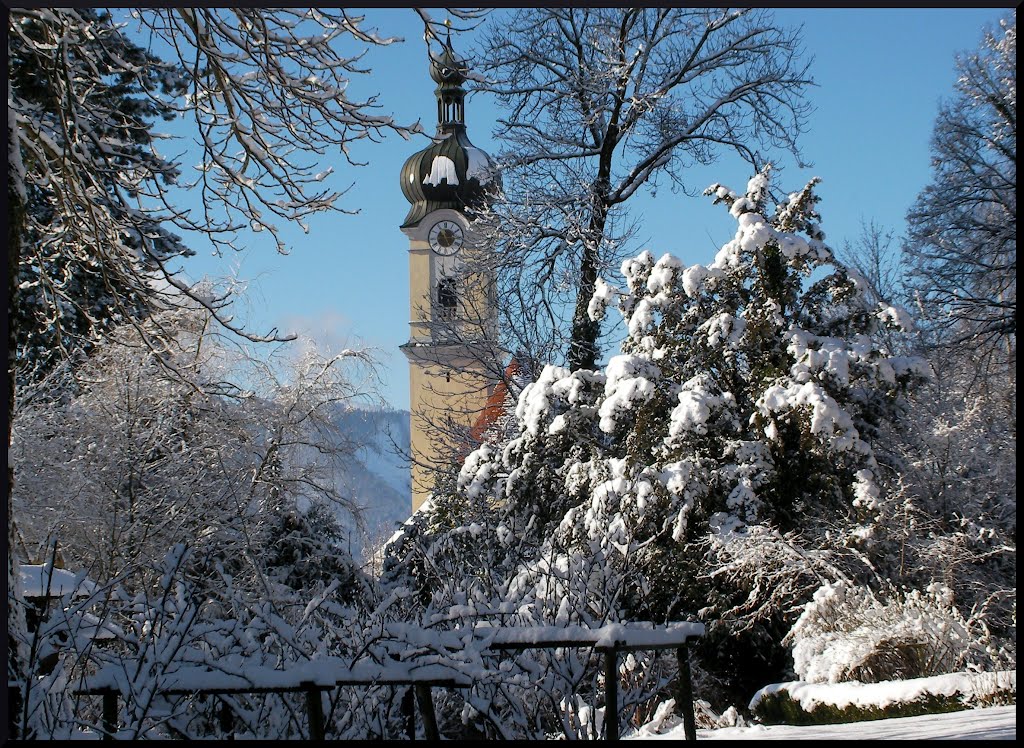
<point>742,205</point>
<point>35,580</point>
<point>629,381</point>
<point>696,403</point>
<point>897,316</point>
<point>886,693</point>
<point>441,169</point>
<point>664,271</point>
<point>603,295</point>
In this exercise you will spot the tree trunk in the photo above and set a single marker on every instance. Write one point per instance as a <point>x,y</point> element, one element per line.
<point>585,331</point>
<point>15,615</point>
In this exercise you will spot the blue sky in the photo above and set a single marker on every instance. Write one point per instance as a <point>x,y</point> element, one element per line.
<point>880,75</point>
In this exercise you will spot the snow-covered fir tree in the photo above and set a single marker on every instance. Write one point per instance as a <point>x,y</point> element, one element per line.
<point>724,465</point>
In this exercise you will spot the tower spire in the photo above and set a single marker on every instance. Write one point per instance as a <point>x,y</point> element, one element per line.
<point>449,71</point>
<point>451,172</point>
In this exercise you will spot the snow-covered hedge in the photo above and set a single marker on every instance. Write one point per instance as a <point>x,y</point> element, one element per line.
<point>801,703</point>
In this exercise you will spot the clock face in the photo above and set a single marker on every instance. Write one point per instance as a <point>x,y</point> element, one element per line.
<point>445,237</point>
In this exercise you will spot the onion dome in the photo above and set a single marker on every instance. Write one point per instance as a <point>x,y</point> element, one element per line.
<point>452,172</point>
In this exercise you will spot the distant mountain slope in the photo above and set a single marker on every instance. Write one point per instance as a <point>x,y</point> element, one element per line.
<point>378,480</point>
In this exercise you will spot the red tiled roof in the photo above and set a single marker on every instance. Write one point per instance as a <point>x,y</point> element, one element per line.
<point>495,406</point>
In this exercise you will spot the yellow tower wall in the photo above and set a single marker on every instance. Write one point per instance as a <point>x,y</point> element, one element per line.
<point>449,381</point>
<point>447,397</point>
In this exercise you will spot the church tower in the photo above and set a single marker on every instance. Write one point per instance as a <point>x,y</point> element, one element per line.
<point>451,306</point>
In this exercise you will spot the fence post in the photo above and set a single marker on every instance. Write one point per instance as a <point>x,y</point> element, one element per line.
<point>611,694</point>
<point>109,713</point>
<point>227,720</point>
<point>426,702</point>
<point>684,692</point>
<point>315,710</point>
<point>409,711</point>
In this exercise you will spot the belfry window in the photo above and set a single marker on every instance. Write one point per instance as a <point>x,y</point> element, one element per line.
<point>447,298</point>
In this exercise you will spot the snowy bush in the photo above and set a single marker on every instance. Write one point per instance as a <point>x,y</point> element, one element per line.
<point>207,514</point>
<point>488,571</point>
<point>175,633</point>
<point>952,514</point>
<point>847,633</point>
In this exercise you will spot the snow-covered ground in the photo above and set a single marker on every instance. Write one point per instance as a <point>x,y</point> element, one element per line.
<point>994,723</point>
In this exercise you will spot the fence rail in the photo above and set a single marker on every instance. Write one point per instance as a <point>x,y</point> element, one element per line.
<point>331,673</point>
<point>421,685</point>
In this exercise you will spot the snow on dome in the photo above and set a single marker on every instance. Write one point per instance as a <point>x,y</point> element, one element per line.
<point>451,172</point>
<point>442,168</point>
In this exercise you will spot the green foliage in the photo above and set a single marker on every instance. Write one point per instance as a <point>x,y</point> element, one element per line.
<point>306,552</point>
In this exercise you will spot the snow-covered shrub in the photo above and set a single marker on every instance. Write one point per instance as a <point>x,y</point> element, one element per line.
<point>178,632</point>
<point>951,514</point>
<point>469,560</point>
<point>489,570</point>
<point>846,632</point>
<point>665,719</point>
<point>206,513</point>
